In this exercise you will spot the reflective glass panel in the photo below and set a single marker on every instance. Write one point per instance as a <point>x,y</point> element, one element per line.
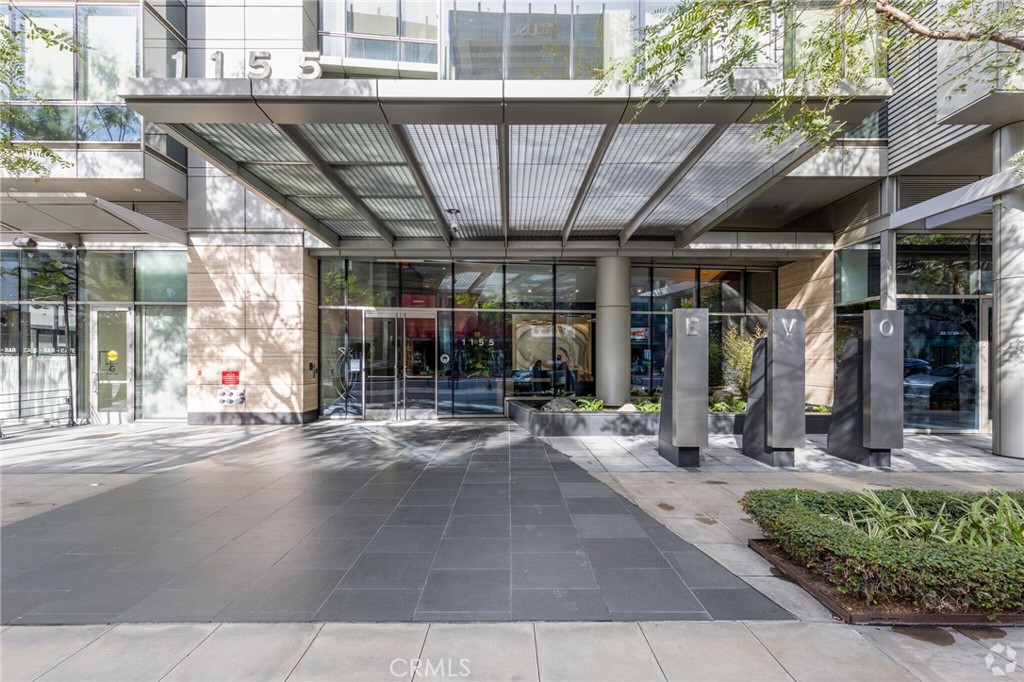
<point>721,291</point>
<point>373,17</point>
<point>935,263</point>
<point>528,286</point>
<point>419,20</point>
<point>49,73</point>
<point>602,35</point>
<point>572,372</point>
<point>640,353</point>
<point>160,276</point>
<point>419,53</point>
<point>158,48</point>
<point>162,350</point>
<point>674,288</point>
<point>539,39</point>
<point>10,353</point>
<point>426,285</point>
<point>372,284</point>
<point>109,36</point>
<point>575,288</point>
<point>106,276</point>
<point>8,275</point>
<point>475,40</point>
<point>332,281</point>
<point>478,285</point>
<point>108,124</point>
<point>48,275</point>
<point>45,345</point>
<point>475,374</point>
<point>640,289</point>
<point>940,383</point>
<point>45,123</point>
<point>983,278</point>
<point>362,48</point>
<point>857,271</point>
<point>760,290</point>
<point>533,353</point>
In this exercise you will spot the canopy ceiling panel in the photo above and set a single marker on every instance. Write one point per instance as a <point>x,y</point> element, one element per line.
<point>356,229</point>
<point>380,181</point>
<point>412,229</point>
<point>460,163</point>
<point>547,165</point>
<point>358,143</point>
<point>248,142</point>
<point>293,180</point>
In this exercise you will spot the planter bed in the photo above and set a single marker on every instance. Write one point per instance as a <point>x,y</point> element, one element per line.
<point>613,423</point>
<point>886,580</point>
<point>850,611</point>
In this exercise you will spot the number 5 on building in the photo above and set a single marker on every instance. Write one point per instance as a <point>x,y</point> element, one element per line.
<point>259,64</point>
<point>309,67</point>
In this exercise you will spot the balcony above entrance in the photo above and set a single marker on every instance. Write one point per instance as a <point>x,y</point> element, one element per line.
<point>393,161</point>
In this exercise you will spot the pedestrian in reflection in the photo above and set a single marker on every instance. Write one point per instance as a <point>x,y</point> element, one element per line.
<point>538,377</point>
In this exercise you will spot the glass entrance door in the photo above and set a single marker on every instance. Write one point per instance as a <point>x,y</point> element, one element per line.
<point>401,374</point>
<point>111,371</point>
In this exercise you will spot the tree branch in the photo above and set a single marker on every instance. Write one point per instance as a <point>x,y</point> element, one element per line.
<point>887,11</point>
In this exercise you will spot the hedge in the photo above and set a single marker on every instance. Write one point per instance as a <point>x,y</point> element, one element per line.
<point>934,577</point>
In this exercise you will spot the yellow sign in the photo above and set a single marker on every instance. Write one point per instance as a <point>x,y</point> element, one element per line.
<point>112,356</point>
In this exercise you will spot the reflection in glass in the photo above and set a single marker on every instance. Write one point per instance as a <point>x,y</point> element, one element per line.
<point>381,366</point>
<point>160,276</point>
<point>572,371</point>
<point>419,20</point>
<point>158,48</point>
<point>674,288</point>
<point>476,35</point>
<point>109,35</point>
<point>49,73</point>
<point>474,376</point>
<point>576,287</point>
<point>363,48</point>
<point>9,276</point>
<point>162,345</point>
<point>940,384</point>
<point>478,285</point>
<point>857,271</point>
<point>721,291</point>
<point>418,369</point>
<point>45,123</point>
<point>48,275</point>
<point>528,286</point>
<point>419,53</point>
<point>539,38</point>
<point>372,284</point>
<point>110,361</point>
<point>936,263</point>
<point>426,285</point>
<point>373,17</point>
<point>108,124</point>
<point>10,352</point>
<point>760,291</point>
<point>106,276</point>
<point>602,33</point>
<point>45,344</point>
<point>533,351</point>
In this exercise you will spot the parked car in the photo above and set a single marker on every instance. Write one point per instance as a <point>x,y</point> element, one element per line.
<point>950,387</point>
<point>914,366</point>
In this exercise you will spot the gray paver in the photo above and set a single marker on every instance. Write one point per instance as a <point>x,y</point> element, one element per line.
<point>343,652</point>
<point>617,652</point>
<point>31,652</point>
<point>461,651</point>
<point>725,652</point>
<point>246,651</point>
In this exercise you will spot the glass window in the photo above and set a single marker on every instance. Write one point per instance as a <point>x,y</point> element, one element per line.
<point>602,35</point>
<point>640,289</point>
<point>983,274</point>
<point>539,37</point>
<point>857,271</point>
<point>419,53</point>
<point>340,363</point>
<point>935,263</point>
<point>8,275</point>
<point>10,354</point>
<point>332,16</point>
<point>45,123</point>
<point>373,17</point>
<point>674,288</point>
<point>478,285</point>
<point>161,355</point>
<point>109,36</point>
<point>419,19</point>
<point>49,73</point>
<point>760,288</point>
<point>426,285</point>
<point>640,352</point>
<point>721,291</point>
<point>528,286</point>
<point>48,275</point>
<point>332,281</point>
<point>372,284</point>
<point>940,350</point>
<point>575,288</point>
<point>106,276</point>
<point>108,124</point>
<point>46,342</point>
<point>572,372</point>
<point>361,48</point>
<point>160,276</point>
<point>475,41</point>
<point>533,353</point>
<point>849,324</point>
<point>473,380</point>
<point>173,11</point>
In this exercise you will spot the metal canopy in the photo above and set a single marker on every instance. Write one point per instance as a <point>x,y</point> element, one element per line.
<point>515,161</point>
<point>65,216</point>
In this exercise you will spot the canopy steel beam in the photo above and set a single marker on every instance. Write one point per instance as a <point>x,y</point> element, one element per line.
<point>295,137</point>
<point>695,155</point>
<point>588,179</point>
<point>503,179</point>
<point>401,140</point>
<point>764,181</point>
<point>198,144</point>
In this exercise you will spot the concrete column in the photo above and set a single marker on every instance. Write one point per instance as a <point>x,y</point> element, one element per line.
<point>887,271</point>
<point>1008,302</point>
<point>613,307</point>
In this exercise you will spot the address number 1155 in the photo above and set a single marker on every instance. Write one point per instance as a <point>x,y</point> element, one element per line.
<point>258,65</point>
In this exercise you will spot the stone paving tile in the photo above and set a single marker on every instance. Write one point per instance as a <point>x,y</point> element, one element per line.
<point>31,652</point>
<point>350,653</point>
<point>595,651</point>
<point>419,521</point>
<point>711,651</point>
<point>246,651</point>
<point>499,652</point>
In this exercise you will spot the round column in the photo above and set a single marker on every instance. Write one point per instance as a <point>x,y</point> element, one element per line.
<point>613,308</point>
<point>1008,303</point>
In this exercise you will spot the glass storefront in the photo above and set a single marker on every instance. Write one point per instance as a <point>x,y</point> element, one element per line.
<point>111,296</point>
<point>491,331</point>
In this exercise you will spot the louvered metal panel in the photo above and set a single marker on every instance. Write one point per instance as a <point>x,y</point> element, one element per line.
<point>857,207</point>
<point>292,180</point>
<point>352,142</point>
<point>399,208</point>
<point>328,208</point>
<point>174,213</point>
<point>412,229</point>
<point>382,181</point>
<point>248,142</point>
<point>351,228</point>
<point>654,143</point>
<point>915,189</point>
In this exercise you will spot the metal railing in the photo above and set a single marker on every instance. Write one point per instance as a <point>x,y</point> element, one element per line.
<point>20,412</point>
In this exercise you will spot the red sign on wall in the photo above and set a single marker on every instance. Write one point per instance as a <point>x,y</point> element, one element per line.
<point>229,378</point>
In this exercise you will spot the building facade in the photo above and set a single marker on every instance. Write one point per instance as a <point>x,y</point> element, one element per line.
<point>408,209</point>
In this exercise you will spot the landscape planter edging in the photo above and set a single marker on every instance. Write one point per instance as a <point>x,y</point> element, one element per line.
<point>611,423</point>
<point>878,617</point>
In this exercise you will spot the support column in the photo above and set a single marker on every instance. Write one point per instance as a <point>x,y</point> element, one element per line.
<point>613,309</point>
<point>887,271</point>
<point>1008,303</point>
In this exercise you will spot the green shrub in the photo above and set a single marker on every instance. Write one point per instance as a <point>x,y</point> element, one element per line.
<point>732,403</point>
<point>932,575</point>
<point>589,405</point>
<point>648,406</point>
